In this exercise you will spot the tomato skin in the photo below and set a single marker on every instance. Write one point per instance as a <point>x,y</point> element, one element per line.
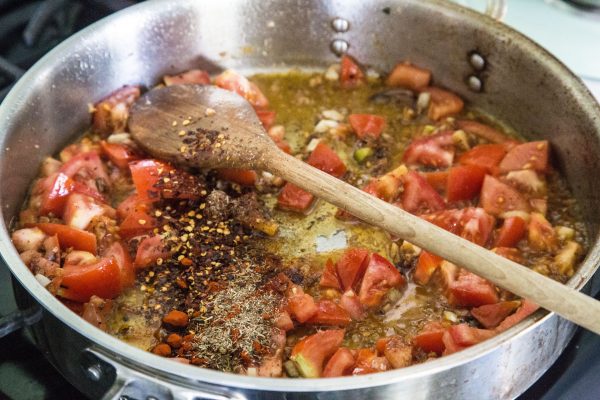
<point>527,308</point>
<point>433,151</point>
<point>351,267</point>
<point>149,250</point>
<point>311,352</point>
<point>293,198</point>
<point>430,338</point>
<point>351,74</point>
<point>380,276</point>
<point>471,223</point>
<point>426,266</point>
<point>70,237</point>
<point>460,336</point>
<point>329,313</point>
<point>197,76</point>
<point>498,197</point>
<point>128,205</point>
<point>145,175</point>
<point>367,125</point>
<point>57,188</point>
<point>119,154</point>
<point>138,222</point>
<point>327,160</point>
<point>246,177</point>
<point>530,155</point>
<point>102,279</point>
<point>409,76</point>
<point>490,315</point>
<point>437,179</point>
<point>486,156</point>
<point>80,210</point>
<point>464,182</point>
<point>419,196</point>
<point>86,168</point>
<point>340,364</point>
<point>329,277</point>
<point>469,290</point>
<point>512,231</point>
<point>119,252</point>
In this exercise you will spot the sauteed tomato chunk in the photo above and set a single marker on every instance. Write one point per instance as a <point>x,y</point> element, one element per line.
<point>239,271</point>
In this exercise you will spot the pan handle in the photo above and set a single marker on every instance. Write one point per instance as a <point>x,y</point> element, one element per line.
<point>19,319</point>
<point>132,383</point>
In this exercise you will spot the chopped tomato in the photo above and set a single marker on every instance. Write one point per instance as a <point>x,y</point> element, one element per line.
<point>350,302</point>
<point>527,308</point>
<point>426,266</point>
<point>232,81</point>
<point>266,117</point>
<point>149,250</point>
<point>470,290</point>
<point>367,362</point>
<point>419,196</point>
<point>437,179</point>
<point>111,113</point>
<point>70,237</point>
<point>87,169</point>
<point>196,76</point>
<point>119,154</point>
<point>340,364</point>
<point>329,277</point>
<point>498,197</point>
<point>388,186</point>
<point>119,252</point>
<point>293,198</point>
<point>530,155</point>
<point>460,336</point>
<point>464,182</point>
<point>539,205</point>
<point>80,210</point>
<point>351,74</point>
<point>327,160</point>
<point>351,267</point>
<point>433,151</point>
<point>145,175</point>
<point>541,235</point>
<point>329,313</point>
<point>97,311</point>
<point>528,181</point>
<point>310,353</point>
<point>442,103</point>
<point>486,156</point>
<point>471,223</point>
<point>380,276</point>
<point>512,231</point>
<point>511,253</point>
<point>430,338</point>
<point>283,321</point>
<point>398,354</point>
<point>138,222</point>
<point>367,125</point>
<point>483,131</point>
<point>490,315</point>
<point>301,305</point>
<point>245,177</point>
<point>56,189</point>
<point>409,76</point>
<point>102,279</point>
<point>128,205</point>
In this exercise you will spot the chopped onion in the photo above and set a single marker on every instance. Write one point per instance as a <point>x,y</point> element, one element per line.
<point>332,73</point>
<point>564,233</point>
<point>423,102</point>
<point>42,279</point>
<point>312,144</point>
<point>325,125</point>
<point>521,214</point>
<point>450,316</point>
<point>120,138</point>
<point>333,114</point>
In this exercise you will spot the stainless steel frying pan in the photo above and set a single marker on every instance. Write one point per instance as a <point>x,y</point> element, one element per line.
<point>488,64</point>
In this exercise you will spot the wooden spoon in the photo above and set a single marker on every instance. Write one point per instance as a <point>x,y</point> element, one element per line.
<point>208,127</point>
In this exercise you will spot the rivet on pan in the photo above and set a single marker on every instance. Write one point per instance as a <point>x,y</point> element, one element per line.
<point>94,372</point>
<point>339,46</point>
<point>340,24</point>
<point>475,83</point>
<point>477,61</point>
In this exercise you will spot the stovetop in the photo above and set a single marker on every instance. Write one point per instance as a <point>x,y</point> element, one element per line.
<point>28,29</point>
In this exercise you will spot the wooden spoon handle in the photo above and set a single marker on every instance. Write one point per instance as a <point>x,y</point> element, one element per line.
<point>554,296</point>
